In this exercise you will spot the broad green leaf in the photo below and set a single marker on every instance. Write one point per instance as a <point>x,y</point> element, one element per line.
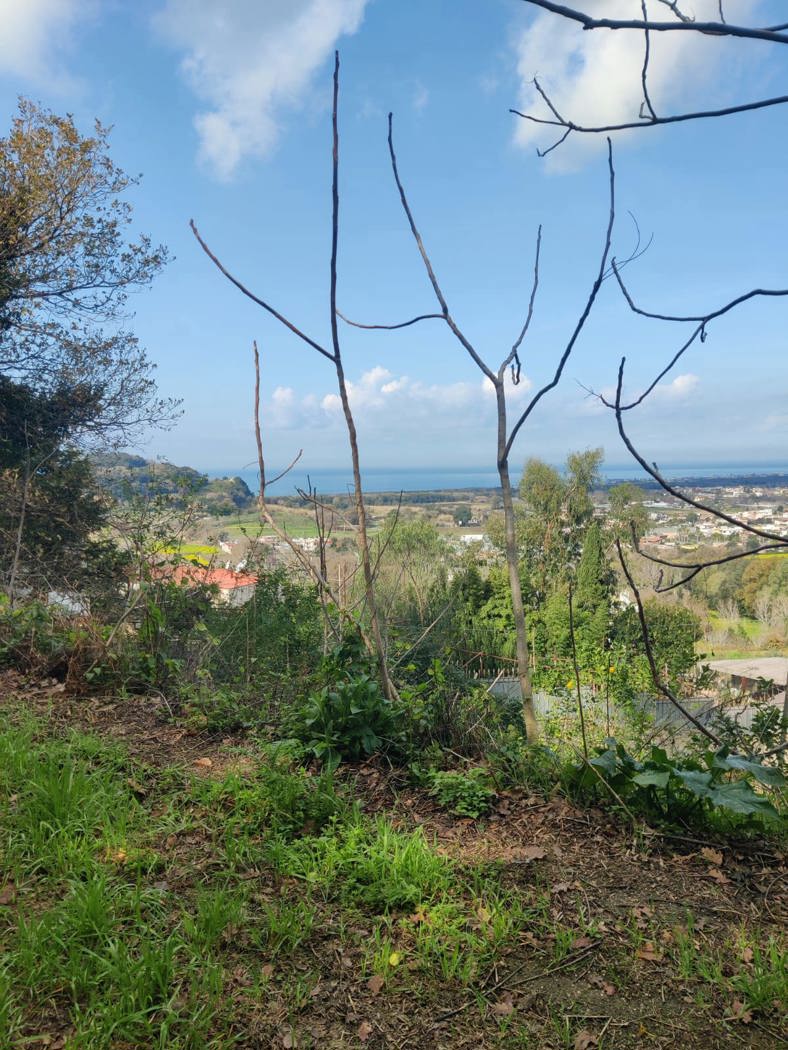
<point>695,781</point>
<point>765,774</point>
<point>608,761</point>
<point>739,797</point>
<point>652,778</point>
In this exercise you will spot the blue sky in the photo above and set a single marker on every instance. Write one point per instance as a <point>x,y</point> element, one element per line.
<point>223,105</point>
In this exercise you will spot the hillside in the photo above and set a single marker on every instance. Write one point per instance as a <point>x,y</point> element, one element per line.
<point>126,476</point>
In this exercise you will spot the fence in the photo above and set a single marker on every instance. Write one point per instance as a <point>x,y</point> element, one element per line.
<point>662,712</point>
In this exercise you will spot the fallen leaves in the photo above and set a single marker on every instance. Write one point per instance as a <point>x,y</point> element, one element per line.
<point>204,763</point>
<point>649,953</point>
<point>585,1040</point>
<point>364,1031</point>
<point>529,853</point>
<point>504,1007</point>
<point>376,983</point>
<point>718,877</point>
<point>713,856</point>
<point>739,1012</point>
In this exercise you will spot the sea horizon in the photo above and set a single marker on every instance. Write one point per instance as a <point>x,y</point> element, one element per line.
<point>338,480</point>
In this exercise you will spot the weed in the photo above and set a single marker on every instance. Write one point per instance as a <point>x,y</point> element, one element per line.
<point>465,794</point>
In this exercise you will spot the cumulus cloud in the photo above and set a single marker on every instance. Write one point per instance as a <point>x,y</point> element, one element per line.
<point>383,400</point>
<point>678,389</point>
<point>594,77</point>
<point>34,35</point>
<point>249,61</point>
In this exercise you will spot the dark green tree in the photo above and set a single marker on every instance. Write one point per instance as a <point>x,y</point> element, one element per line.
<point>51,510</point>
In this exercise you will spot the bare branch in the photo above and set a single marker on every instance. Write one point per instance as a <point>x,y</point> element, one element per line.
<point>584,315</point>
<point>673,5</point>
<point>773,293</point>
<point>658,683</point>
<point>771,34</point>
<point>287,469</point>
<point>652,470</point>
<point>696,567</point>
<point>391,327</point>
<point>644,69</point>
<point>255,299</point>
<point>428,265</point>
<point>647,122</point>
<point>513,357</point>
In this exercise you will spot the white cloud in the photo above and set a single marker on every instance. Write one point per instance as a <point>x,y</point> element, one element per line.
<point>421,97</point>
<point>34,34</point>
<point>679,389</point>
<point>594,77</point>
<point>248,61</point>
<point>386,401</point>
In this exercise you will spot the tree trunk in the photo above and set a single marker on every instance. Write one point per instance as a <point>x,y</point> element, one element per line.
<point>513,565</point>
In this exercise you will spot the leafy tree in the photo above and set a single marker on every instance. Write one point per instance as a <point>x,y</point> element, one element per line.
<point>593,591</point>
<point>50,507</point>
<point>462,514</point>
<point>627,510</point>
<point>560,510</point>
<point>673,631</point>
<point>66,269</point>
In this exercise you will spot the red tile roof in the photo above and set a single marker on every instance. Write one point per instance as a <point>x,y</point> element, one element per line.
<point>224,579</point>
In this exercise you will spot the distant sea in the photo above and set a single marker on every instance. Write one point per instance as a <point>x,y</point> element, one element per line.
<point>425,479</point>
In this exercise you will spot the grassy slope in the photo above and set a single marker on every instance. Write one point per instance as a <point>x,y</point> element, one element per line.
<point>242,901</point>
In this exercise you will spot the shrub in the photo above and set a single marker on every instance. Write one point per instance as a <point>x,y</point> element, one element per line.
<point>689,789</point>
<point>465,794</point>
<point>351,719</point>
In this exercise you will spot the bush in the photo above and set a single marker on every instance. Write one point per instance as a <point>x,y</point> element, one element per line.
<point>464,794</point>
<point>351,719</point>
<point>691,790</point>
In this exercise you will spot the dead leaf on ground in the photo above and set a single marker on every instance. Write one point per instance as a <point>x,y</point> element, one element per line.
<point>740,1012</point>
<point>203,763</point>
<point>267,970</point>
<point>581,942</point>
<point>718,876</point>
<point>713,856</point>
<point>375,983</point>
<point>585,1040</point>
<point>364,1031</point>
<point>529,853</point>
<point>649,953</point>
<point>602,984</point>
<point>504,1006</point>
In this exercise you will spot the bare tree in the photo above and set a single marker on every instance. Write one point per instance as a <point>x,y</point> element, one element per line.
<point>647,116</point>
<point>333,353</point>
<point>506,432</point>
<point>700,322</point>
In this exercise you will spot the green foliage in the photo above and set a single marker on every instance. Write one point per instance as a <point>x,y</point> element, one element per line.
<point>50,508</point>
<point>673,631</point>
<point>281,798</point>
<point>351,719</point>
<point>369,864</point>
<point>667,789</point>
<point>68,269</point>
<point>464,794</point>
